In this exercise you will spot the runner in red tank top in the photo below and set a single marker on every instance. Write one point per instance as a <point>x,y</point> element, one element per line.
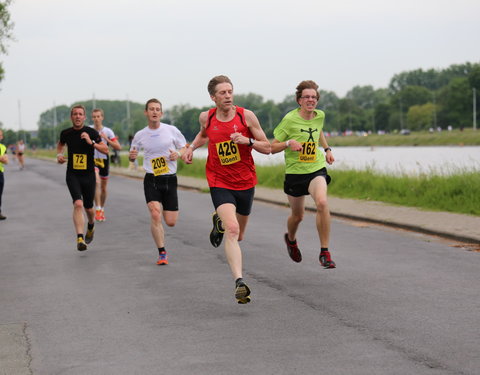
<point>232,133</point>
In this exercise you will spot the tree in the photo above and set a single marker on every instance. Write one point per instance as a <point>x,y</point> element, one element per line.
<point>6,27</point>
<point>420,117</point>
<point>455,101</point>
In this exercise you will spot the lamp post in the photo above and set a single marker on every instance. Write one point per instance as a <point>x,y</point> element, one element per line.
<point>474,108</point>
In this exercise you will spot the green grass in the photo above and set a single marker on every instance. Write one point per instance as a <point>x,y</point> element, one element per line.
<point>458,193</point>
<point>467,137</point>
<point>454,193</point>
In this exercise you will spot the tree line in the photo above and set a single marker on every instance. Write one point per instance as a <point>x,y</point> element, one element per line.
<point>414,100</point>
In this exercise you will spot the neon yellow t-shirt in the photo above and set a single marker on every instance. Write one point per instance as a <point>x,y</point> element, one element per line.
<point>307,132</point>
<point>3,149</point>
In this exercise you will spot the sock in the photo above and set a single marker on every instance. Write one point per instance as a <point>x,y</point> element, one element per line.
<point>322,249</point>
<point>80,235</point>
<point>238,280</point>
<point>98,208</point>
<point>161,250</point>
<point>90,226</point>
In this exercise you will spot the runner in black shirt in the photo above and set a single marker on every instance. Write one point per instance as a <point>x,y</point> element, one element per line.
<point>81,142</point>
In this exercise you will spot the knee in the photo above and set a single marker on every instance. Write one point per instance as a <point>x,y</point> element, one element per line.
<point>297,218</point>
<point>155,215</point>
<point>78,204</point>
<point>322,205</point>
<point>170,222</point>
<point>232,229</point>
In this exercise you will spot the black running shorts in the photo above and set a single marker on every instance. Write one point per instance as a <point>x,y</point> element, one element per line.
<point>103,166</point>
<point>297,185</point>
<point>241,199</point>
<point>161,189</point>
<point>82,186</point>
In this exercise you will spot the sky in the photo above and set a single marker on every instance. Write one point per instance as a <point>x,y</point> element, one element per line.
<point>67,51</point>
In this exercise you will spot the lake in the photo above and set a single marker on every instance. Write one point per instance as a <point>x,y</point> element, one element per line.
<point>414,160</point>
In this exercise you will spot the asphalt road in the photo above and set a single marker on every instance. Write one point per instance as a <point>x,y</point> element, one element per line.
<point>398,303</point>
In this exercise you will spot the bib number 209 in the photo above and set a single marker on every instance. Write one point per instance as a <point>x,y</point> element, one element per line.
<point>159,166</point>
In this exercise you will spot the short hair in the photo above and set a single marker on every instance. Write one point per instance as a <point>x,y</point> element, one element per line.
<point>215,81</point>
<point>98,110</point>
<point>306,85</point>
<point>153,100</point>
<point>78,106</point>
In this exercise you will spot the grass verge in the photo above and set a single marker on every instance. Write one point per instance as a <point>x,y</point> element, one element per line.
<point>459,193</point>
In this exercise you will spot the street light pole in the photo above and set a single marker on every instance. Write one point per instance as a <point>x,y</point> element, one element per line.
<point>474,108</point>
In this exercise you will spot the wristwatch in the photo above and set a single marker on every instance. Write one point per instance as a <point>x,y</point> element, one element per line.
<point>251,141</point>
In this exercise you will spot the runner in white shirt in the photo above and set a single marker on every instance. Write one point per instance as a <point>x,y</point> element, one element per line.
<point>102,163</point>
<point>160,143</point>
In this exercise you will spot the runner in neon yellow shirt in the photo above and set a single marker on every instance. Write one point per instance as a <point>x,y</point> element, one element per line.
<point>299,134</point>
<point>3,160</point>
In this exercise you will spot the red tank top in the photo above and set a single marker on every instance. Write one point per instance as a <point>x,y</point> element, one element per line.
<point>229,165</point>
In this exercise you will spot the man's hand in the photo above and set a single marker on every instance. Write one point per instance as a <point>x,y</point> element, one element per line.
<point>61,159</point>
<point>132,155</point>
<point>85,136</point>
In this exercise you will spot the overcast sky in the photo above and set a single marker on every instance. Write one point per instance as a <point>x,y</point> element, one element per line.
<point>66,50</point>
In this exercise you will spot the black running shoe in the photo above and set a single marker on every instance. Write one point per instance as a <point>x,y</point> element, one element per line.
<point>293,250</point>
<point>81,245</point>
<point>242,292</point>
<point>326,260</point>
<point>216,235</point>
<point>89,235</point>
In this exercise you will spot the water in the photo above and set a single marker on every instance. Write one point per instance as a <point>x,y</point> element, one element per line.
<point>438,160</point>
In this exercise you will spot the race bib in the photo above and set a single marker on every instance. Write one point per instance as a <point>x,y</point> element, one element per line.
<point>228,152</point>
<point>99,162</point>
<point>80,161</point>
<point>159,166</point>
<point>308,153</point>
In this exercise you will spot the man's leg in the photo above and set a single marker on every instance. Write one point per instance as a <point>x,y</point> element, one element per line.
<point>170,217</point>
<point>78,218</point>
<point>242,221</point>
<point>103,191</point>
<point>227,213</point>
<point>97,188</point>
<point>297,211</point>
<point>90,215</point>
<point>156,226</point>
<point>318,191</point>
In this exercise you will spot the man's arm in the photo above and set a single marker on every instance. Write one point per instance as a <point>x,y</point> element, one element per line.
<point>328,153</point>
<point>200,139</point>
<point>114,143</point>
<point>60,157</point>
<point>4,157</point>
<point>261,143</point>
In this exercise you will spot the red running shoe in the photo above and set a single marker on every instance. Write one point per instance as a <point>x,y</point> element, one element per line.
<point>293,250</point>
<point>326,260</point>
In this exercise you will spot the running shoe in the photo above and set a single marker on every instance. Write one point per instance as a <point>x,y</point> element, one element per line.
<point>242,292</point>
<point>162,258</point>
<point>98,215</point>
<point>326,260</point>
<point>102,215</point>
<point>81,245</point>
<point>216,235</point>
<point>2,217</point>
<point>89,235</point>
<point>293,250</point>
